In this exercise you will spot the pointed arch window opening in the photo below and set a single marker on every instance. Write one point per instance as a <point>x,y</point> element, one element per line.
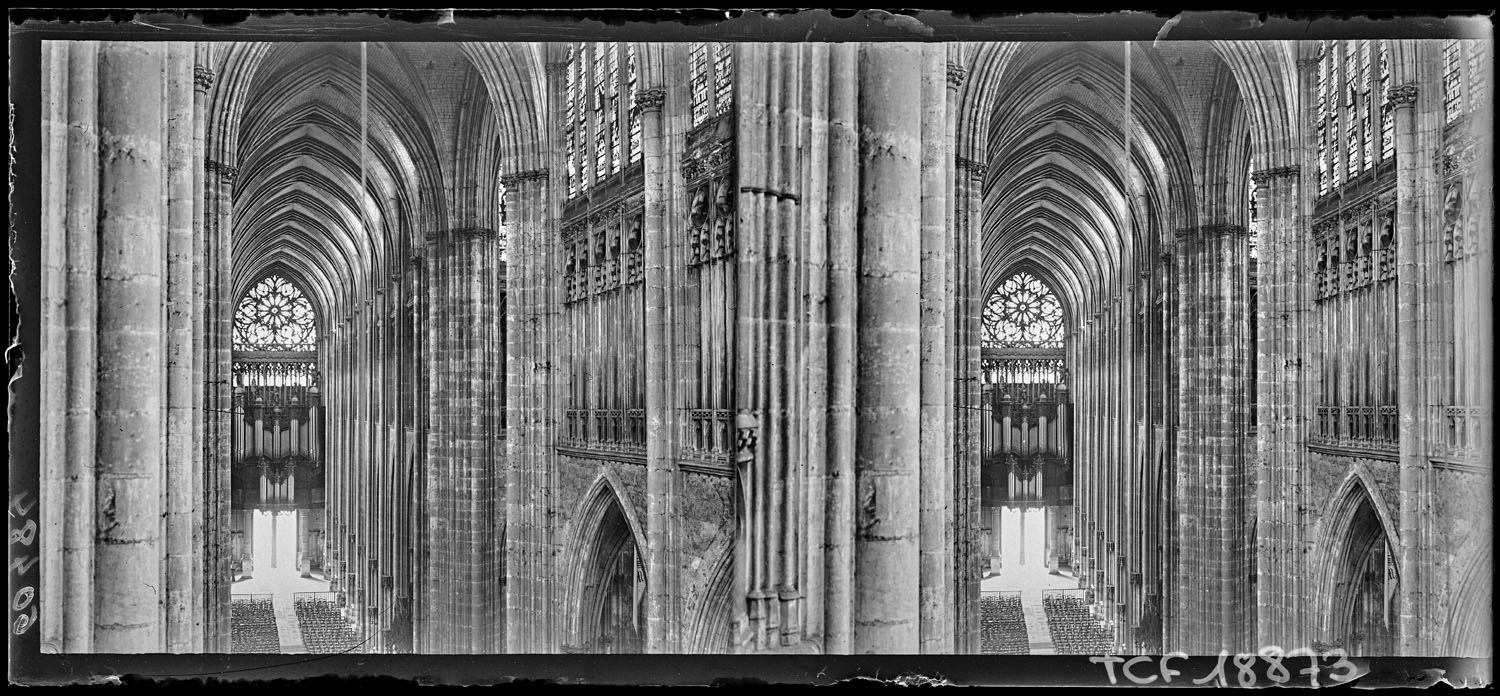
<point>1463,78</point>
<point>711,79</point>
<point>1354,125</point>
<point>274,315</point>
<point>601,127</point>
<point>1023,333</point>
<point>1023,313</point>
<point>275,336</point>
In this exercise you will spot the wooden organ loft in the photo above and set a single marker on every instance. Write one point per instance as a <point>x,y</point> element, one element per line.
<point>1027,433</point>
<point>277,449</point>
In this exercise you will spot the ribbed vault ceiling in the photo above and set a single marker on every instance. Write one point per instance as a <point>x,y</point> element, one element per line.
<point>431,142</point>
<point>1061,198</point>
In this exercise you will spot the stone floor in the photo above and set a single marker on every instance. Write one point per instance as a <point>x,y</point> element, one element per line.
<point>280,584</point>
<point>1032,581</point>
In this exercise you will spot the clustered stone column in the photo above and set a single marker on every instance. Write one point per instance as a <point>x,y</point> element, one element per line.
<point>531,308</point>
<point>1212,572</point>
<point>124,474</point>
<point>1287,384</point>
<point>966,195</point>
<point>829,548</point>
<point>463,455</point>
<point>1283,307</point>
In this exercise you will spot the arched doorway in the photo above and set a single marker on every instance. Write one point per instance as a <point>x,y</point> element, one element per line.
<point>612,609</point>
<point>1363,612</point>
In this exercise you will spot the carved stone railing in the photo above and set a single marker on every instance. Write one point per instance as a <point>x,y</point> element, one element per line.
<point>604,429</point>
<point>710,433</point>
<point>1358,427</point>
<point>1460,432</point>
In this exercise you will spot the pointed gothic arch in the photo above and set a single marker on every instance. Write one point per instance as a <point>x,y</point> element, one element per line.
<point>605,560</point>
<point>1361,569</point>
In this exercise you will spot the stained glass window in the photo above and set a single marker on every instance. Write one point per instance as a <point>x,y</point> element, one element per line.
<point>601,129</point>
<point>1023,313</point>
<point>1352,90</point>
<point>571,128</point>
<point>275,315</point>
<point>1387,124</point>
<point>1254,217</point>
<point>1475,68</point>
<point>711,77</point>
<point>1453,98</point>
<point>635,116</point>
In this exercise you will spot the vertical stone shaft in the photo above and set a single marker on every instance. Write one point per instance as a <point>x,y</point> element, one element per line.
<point>182,457</point>
<point>886,554</point>
<point>128,547</point>
<point>659,465</point>
<point>935,446</point>
<point>1409,352</point>
<point>79,218</point>
<point>53,354</point>
<point>203,599</point>
<point>843,355</point>
<point>750,120</point>
<point>785,349</point>
<point>815,345</point>
<point>968,188</point>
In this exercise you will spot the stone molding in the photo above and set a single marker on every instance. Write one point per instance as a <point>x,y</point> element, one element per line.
<point>226,171</point>
<point>1265,176</point>
<point>976,169</point>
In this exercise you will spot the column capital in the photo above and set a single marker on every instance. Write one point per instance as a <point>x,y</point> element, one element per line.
<point>225,171</point>
<point>1307,64</point>
<point>650,99</point>
<point>514,179</point>
<point>746,425</point>
<point>558,68</point>
<point>1403,95</point>
<point>1263,177</point>
<point>956,75</point>
<point>203,78</point>
<point>976,169</point>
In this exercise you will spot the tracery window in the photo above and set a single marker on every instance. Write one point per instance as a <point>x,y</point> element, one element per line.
<point>1463,78</point>
<point>1023,313</point>
<point>1453,97</point>
<point>1354,110</point>
<point>601,129</point>
<point>1253,216</point>
<point>711,76</point>
<point>275,316</point>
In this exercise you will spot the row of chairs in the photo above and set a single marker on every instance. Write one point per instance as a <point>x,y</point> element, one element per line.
<point>324,629</point>
<point>252,624</point>
<point>1002,626</point>
<point>1074,630</point>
